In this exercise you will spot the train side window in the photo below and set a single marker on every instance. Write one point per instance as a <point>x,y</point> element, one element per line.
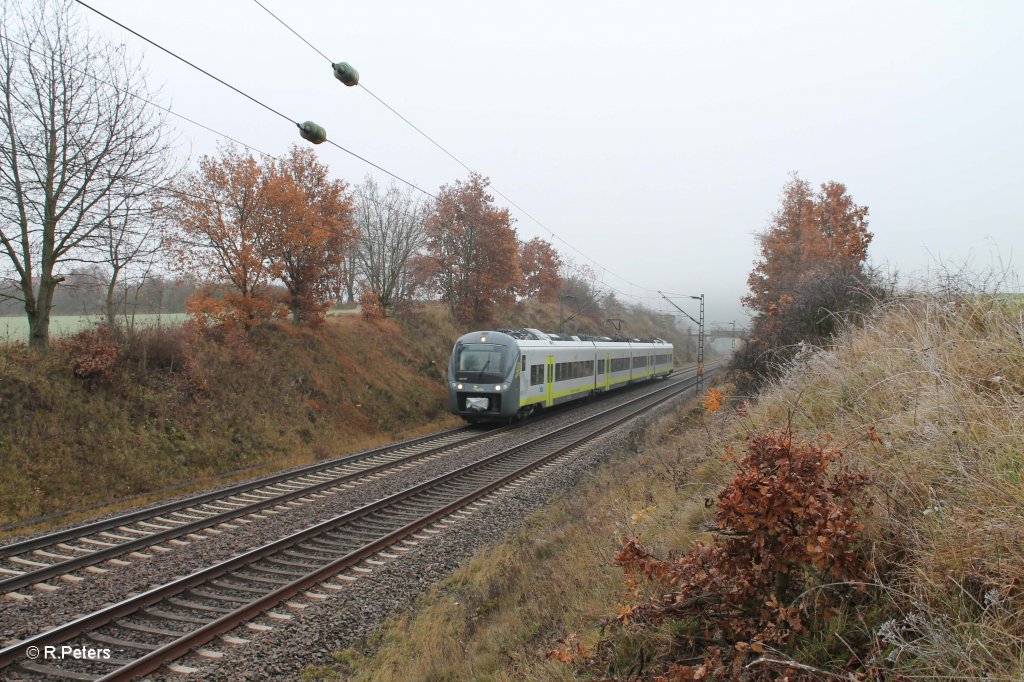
<point>524,363</point>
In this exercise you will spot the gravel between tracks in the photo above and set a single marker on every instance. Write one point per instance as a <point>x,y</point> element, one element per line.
<point>353,614</point>
<point>20,619</point>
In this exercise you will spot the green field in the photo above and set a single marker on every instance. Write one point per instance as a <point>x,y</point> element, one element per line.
<point>16,328</point>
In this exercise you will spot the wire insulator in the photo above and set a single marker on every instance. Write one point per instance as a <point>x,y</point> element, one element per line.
<point>346,73</point>
<point>312,132</point>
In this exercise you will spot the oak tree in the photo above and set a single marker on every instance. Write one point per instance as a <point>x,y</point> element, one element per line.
<point>472,250</point>
<point>810,232</point>
<point>309,233</point>
<point>810,279</point>
<point>223,234</point>
<point>540,264</point>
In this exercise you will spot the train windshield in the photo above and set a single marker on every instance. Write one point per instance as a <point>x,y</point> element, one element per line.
<point>481,358</point>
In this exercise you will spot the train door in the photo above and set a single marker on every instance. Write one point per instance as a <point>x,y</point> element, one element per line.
<point>607,371</point>
<point>549,382</point>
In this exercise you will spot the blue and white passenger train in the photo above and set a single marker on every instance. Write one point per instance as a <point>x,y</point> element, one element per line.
<point>499,375</point>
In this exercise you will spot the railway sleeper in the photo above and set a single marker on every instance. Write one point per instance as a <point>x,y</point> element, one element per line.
<point>236,587</point>
<point>148,629</point>
<point>202,594</point>
<point>267,580</point>
<point>179,617</point>
<point>279,571</point>
<point>308,557</point>
<point>343,544</point>
<point>52,672</point>
<point>284,562</point>
<point>334,541</point>
<point>197,606</point>
<point>382,527</point>
<point>117,641</point>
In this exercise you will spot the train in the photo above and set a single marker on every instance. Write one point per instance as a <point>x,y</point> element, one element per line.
<point>505,374</point>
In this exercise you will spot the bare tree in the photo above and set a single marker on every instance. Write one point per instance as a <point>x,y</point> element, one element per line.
<point>78,143</point>
<point>392,225</point>
<point>348,273</point>
<point>128,247</point>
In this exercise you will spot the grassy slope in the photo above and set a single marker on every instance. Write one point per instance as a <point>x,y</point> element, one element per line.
<point>292,396</point>
<point>943,385</point>
<point>287,397</point>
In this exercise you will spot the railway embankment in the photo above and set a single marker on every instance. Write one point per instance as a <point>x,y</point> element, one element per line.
<point>99,424</point>
<point>914,568</point>
<point>97,421</point>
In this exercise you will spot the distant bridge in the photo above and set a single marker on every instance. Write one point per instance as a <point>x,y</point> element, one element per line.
<point>714,333</point>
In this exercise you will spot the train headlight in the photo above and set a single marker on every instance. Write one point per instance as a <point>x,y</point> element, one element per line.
<point>497,388</point>
<point>458,386</point>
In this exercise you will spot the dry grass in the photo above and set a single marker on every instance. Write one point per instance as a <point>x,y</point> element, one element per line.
<point>495,618</point>
<point>183,411</point>
<point>284,397</point>
<point>941,382</point>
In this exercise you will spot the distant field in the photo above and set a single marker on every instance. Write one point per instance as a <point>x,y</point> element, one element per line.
<point>16,328</point>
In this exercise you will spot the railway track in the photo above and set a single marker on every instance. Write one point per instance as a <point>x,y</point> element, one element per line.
<point>145,632</point>
<point>115,542</point>
<point>175,524</point>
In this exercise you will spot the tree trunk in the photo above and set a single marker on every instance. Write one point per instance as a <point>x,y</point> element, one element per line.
<point>111,315</point>
<point>39,315</point>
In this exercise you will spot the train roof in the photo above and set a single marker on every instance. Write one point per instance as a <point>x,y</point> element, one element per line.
<point>530,334</point>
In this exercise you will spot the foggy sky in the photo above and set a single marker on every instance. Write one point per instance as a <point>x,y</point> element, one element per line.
<point>652,137</point>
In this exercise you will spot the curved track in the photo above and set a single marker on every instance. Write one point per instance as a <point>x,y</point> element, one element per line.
<point>146,631</point>
<point>161,528</point>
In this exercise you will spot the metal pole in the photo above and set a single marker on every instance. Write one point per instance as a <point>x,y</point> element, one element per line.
<point>700,350</point>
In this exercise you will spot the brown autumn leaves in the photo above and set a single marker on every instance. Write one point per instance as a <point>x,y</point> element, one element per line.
<point>239,224</point>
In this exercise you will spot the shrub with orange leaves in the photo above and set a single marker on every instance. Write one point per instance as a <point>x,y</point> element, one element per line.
<point>94,355</point>
<point>785,523</point>
<point>712,400</point>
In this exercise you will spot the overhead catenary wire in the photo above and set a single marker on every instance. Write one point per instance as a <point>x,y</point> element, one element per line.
<point>460,162</point>
<point>335,144</point>
<point>248,96</point>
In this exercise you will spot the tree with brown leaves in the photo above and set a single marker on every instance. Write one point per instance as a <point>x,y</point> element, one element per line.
<point>810,280</point>
<point>310,231</point>
<point>540,264</point>
<point>472,251</point>
<point>810,232</point>
<point>224,234</point>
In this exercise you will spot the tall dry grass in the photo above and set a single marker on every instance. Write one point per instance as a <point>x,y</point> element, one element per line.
<point>940,379</point>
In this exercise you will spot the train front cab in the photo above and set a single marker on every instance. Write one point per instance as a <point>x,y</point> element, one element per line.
<point>483,377</point>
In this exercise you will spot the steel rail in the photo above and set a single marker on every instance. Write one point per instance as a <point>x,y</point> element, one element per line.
<point>210,630</point>
<point>150,512</point>
<point>173,650</point>
<point>156,537</point>
<point>41,574</point>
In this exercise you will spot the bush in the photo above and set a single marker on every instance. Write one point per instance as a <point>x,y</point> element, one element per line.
<point>825,301</point>
<point>157,348</point>
<point>94,355</point>
<point>783,526</point>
